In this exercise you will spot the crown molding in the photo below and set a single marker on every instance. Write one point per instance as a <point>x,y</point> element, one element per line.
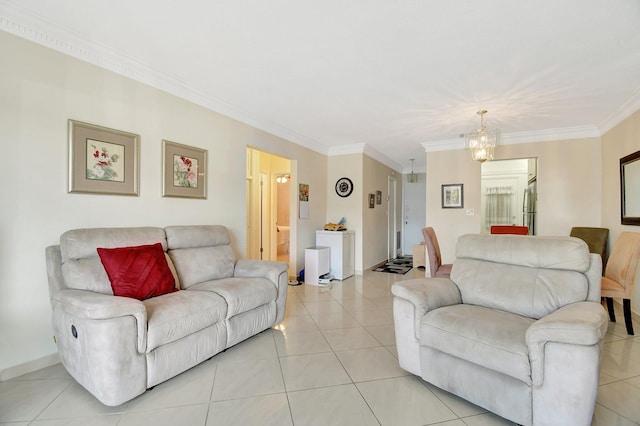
<point>23,24</point>
<point>443,145</point>
<point>628,107</point>
<point>578,132</point>
<point>363,148</point>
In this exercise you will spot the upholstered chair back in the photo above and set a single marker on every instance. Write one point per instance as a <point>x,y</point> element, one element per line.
<point>81,265</point>
<point>529,276</point>
<point>433,249</point>
<point>200,253</point>
<point>623,264</point>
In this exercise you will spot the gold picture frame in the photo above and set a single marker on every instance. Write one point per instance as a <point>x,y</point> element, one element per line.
<point>184,171</point>
<point>102,160</point>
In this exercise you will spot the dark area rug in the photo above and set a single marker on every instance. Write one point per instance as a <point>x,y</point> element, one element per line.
<point>401,265</point>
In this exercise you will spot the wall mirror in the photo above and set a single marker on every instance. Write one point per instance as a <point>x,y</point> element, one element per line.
<point>509,194</point>
<point>630,189</point>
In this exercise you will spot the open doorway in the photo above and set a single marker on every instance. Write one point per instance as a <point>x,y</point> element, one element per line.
<point>268,206</point>
<point>509,194</point>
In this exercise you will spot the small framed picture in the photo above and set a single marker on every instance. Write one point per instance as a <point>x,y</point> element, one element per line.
<point>102,160</point>
<point>372,201</point>
<point>452,196</point>
<point>378,197</point>
<point>184,171</point>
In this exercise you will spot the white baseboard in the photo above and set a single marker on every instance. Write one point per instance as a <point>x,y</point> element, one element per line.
<point>29,367</point>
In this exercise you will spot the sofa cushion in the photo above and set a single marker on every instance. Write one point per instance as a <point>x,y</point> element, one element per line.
<point>173,316</point>
<point>200,253</point>
<point>140,272</point>
<point>197,265</point>
<point>488,337</point>
<point>241,294</point>
<point>81,266</point>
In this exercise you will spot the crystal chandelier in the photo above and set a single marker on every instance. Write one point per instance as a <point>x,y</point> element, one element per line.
<point>482,142</point>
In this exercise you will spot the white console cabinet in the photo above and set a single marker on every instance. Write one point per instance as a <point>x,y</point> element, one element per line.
<point>343,251</point>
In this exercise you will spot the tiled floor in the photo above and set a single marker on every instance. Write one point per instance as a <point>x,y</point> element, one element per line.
<point>332,361</point>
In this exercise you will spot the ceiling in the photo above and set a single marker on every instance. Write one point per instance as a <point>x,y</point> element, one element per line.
<point>390,78</point>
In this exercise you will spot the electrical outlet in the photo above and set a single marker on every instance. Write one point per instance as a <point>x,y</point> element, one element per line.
<point>470,212</point>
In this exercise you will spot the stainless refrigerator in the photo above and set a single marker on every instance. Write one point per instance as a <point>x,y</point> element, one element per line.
<point>529,206</point>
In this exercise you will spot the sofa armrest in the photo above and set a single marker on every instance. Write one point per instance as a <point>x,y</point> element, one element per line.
<point>276,272</point>
<point>88,305</point>
<point>582,323</point>
<point>428,294</point>
<point>260,268</point>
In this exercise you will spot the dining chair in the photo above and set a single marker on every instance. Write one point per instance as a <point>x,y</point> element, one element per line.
<point>620,274</point>
<point>436,268</point>
<point>596,239</point>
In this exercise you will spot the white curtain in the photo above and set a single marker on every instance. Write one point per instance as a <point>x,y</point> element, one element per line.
<point>498,206</point>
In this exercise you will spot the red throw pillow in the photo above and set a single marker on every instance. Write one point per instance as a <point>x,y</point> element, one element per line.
<point>140,272</point>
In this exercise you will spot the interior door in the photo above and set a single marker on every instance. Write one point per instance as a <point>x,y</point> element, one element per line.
<point>392,238</point>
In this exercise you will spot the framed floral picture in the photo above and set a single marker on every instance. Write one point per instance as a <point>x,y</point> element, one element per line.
<point>102,160</point>
<point>184,171</point>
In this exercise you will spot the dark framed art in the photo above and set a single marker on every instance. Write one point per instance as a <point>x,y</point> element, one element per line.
<point>630,189</point>
<point>378,197</point>
<point>102,160</point>
<point>372,201</point>
<point>453,196</point>
<point>184,171</point>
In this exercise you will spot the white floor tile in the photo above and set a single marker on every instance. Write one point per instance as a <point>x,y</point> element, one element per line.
<point>602,416</point>
<point>24,400</point>
<point>107,420</point>
<point>350,338</point>
<point>336,405</point>
<point>404,401</point>
<point>191,387</point>
<point>269,410</point>
<point>246,379</point>
<point>75,401</point>
<point>300,343</point>
<point>193,415</point>
<point>458,405</point>
<point>487,419</point>
<point>385,334</point>
<point>622,398</point>
<point>334,321</point>
<point>370,364</point>
<point>312,371</point>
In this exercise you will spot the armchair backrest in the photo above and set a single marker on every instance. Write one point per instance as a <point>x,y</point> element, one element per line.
<point>530,276</point>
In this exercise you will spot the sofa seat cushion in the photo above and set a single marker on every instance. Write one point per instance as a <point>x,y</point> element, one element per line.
<point>176,315</point>
<point>241,294</point>
<point>487,337</point>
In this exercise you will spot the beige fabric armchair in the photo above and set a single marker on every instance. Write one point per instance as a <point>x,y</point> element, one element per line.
<point>516,329</point>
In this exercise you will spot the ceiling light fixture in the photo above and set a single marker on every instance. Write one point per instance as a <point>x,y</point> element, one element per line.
<point>283,178</point>
<point>482,142</point>
<point>412,177</point>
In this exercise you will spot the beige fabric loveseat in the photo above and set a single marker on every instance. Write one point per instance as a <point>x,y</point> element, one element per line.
<point>117,347</point>
<point>516,329</point>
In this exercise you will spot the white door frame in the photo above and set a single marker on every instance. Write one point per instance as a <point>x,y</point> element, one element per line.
<point>392,239</point>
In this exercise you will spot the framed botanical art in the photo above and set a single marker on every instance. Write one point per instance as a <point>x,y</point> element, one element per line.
<point>378,197</point>
<point>184,171</point>
<point>452,196</point>
<point>372,201</point>
<point>102,160</point>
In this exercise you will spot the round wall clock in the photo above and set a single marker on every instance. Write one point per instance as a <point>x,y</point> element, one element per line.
<point>344,187</point>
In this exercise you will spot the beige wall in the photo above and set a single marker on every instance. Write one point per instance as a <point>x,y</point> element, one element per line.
<point>622,140</point>
<point>351,166</point>
<point>569,188</point>
<point>41,89</point>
